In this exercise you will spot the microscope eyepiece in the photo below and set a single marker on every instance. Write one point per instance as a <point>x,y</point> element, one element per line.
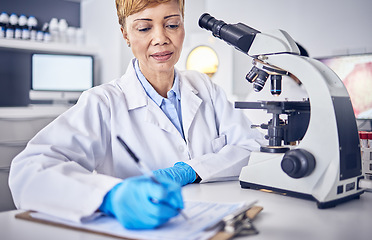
<point>211,24</point>
<point>239,35</point>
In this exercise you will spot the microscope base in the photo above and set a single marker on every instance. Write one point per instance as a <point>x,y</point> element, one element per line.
<point>321,205</point>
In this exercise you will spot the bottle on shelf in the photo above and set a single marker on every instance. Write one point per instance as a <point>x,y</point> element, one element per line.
<point>71,35</point>
<point>366,150</point>
<point>41,32</point>
<point>22,22</point>
<point>53,29</point>
<point>80,36</point>
<point>32,27</point>
<point>4,21</point>
<point>17,29</point>
<point>46,33</point>
<point>12,26</point>
<point>62,29</point>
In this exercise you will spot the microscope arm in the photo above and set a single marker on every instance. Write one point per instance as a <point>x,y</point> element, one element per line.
<point>273,42</point>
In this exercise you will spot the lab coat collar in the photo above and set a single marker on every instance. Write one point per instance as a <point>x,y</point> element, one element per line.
<point>136,97</point>
<point>190,103</point>
<point>151,92</point>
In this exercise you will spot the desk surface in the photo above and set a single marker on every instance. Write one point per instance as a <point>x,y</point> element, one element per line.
<point>282,218</point>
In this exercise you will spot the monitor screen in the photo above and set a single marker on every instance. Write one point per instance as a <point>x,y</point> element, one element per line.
<point>60,76</point>
<point>355,71</point>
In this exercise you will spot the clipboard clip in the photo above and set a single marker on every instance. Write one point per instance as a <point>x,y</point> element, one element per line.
<point>238,223</point>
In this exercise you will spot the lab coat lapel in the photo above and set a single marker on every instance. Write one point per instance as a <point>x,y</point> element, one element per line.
<point>137,98</point>
<point>157,117</point>
<point>190,104</point>
<point>134,93</point>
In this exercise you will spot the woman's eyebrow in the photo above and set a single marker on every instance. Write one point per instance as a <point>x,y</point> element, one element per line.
<point>174,15</point>
<point>149,19</point>
<point>143,19</point>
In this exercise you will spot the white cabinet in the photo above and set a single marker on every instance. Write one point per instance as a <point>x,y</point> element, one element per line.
<point>17,126</point>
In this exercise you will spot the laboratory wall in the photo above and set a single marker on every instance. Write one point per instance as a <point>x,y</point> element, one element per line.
<point>102,30</point>
<point>323,28</point>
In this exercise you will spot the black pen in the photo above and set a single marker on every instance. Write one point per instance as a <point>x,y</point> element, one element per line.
<point>146,171</point>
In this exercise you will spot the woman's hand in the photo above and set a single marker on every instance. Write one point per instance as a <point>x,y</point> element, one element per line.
<point>140,203</point>
<point>180,173</point>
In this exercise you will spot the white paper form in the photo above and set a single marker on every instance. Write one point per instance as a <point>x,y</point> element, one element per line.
<point>200,215</point>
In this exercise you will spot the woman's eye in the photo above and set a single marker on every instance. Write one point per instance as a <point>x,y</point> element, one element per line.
<point>173,26</point>
<point>145,29</point>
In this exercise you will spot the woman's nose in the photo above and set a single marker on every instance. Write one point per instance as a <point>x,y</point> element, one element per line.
<point>160,37</point>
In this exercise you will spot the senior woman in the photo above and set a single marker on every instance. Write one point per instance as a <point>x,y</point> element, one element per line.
<point>178,123</point>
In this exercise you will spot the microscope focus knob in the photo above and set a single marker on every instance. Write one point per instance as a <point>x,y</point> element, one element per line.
<point>298,163</point>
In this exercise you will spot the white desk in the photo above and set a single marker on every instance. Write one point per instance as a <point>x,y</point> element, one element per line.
<point>282,218</point>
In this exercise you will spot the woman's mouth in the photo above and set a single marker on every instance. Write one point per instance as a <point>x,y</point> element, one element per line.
<point>162,56</point>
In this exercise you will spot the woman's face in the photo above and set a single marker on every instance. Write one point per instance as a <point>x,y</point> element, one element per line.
<point>156,36</point>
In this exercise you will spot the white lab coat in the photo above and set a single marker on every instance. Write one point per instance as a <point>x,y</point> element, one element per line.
<point>69,166</point>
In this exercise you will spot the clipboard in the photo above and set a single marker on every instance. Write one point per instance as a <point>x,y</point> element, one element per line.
<point>238,224</point>
<point>221,234</point>
<point>28,216</point>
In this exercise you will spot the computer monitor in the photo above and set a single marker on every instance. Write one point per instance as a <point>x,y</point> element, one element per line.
<point>60,78</point>
<point>355,71</point>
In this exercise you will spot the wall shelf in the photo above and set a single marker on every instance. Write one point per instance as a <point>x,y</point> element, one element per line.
<point>32,46</point>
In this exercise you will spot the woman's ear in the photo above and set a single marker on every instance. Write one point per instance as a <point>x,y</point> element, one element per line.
<point>125,35</point>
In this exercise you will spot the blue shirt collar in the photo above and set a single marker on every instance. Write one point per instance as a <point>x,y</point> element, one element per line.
<point>151,92</point>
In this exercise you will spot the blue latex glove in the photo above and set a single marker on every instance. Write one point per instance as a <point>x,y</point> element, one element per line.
<point>181,173</point>
<point>140,203</point>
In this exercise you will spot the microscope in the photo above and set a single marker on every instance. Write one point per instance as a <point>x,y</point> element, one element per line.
<point>314,153</point>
